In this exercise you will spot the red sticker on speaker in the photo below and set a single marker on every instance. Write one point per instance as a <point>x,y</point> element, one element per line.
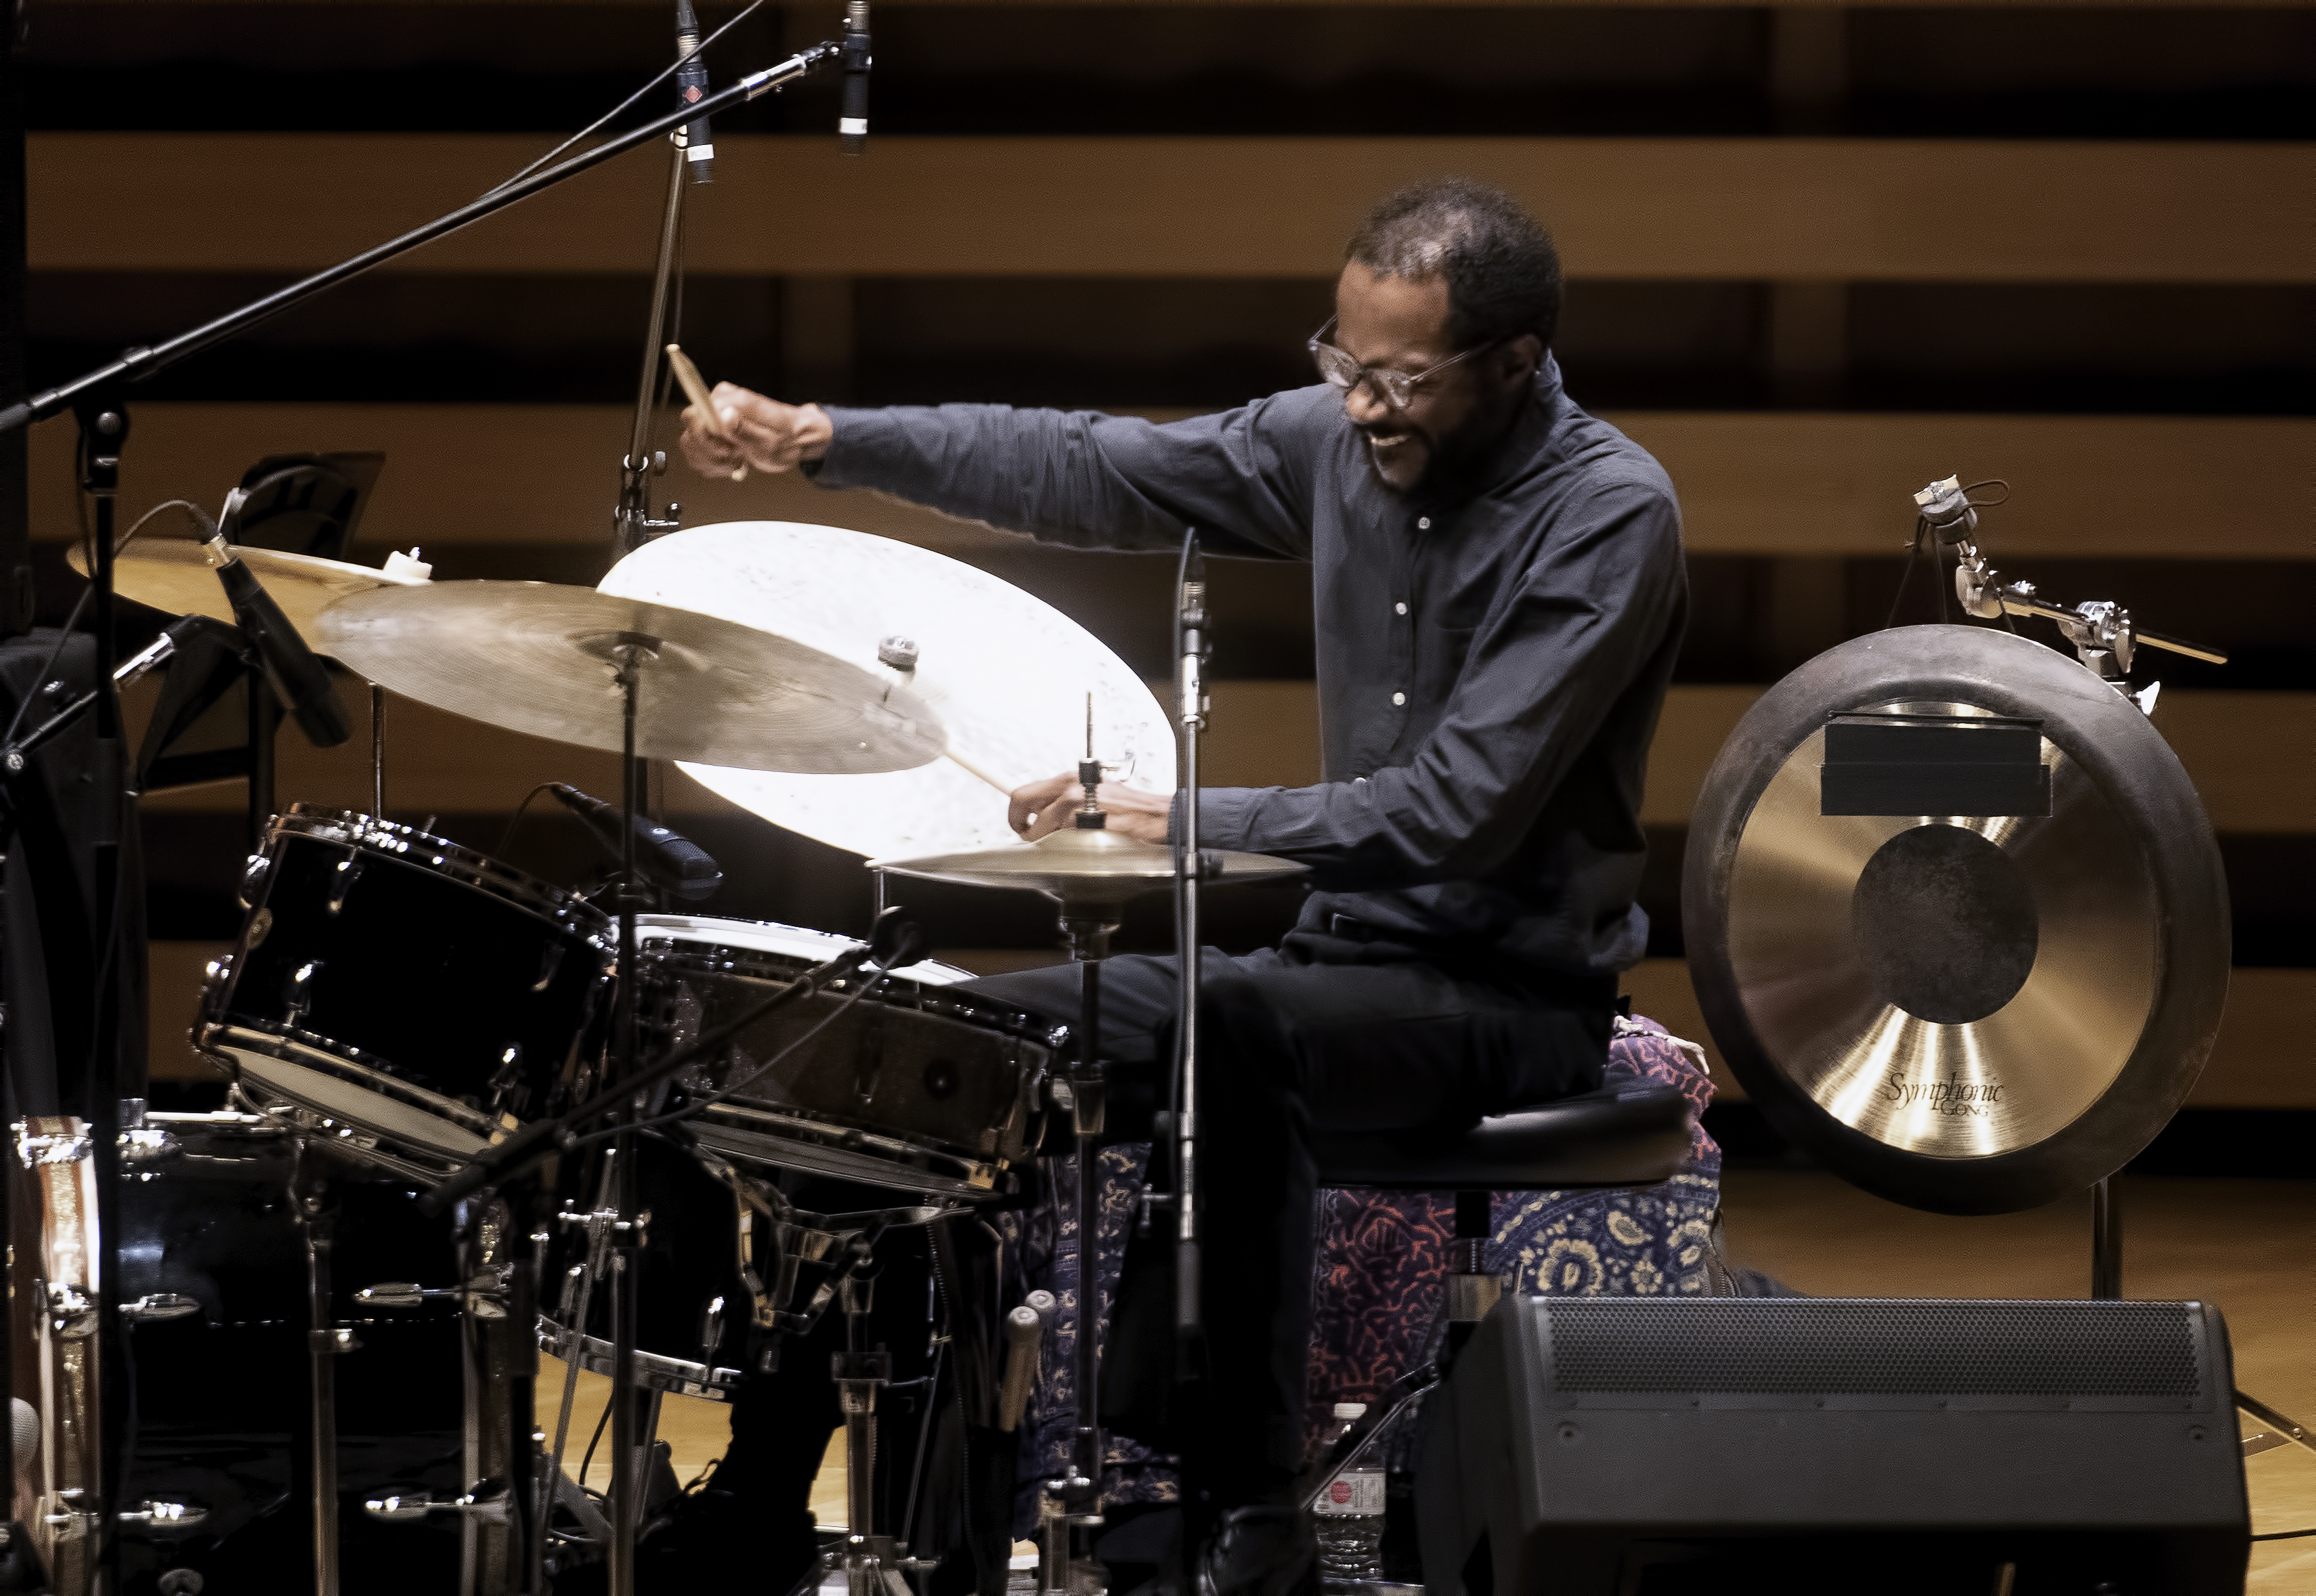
<point>1340,1491</point>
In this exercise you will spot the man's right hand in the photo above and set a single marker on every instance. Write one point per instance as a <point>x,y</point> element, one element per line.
<point>749,429</point>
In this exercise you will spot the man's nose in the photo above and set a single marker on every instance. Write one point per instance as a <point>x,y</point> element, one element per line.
<point>1361,406</point>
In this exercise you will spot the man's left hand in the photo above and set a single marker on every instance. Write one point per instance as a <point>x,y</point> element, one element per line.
<point>1043,807</point>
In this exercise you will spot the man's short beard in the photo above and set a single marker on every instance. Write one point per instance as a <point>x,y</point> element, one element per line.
<point>1454,457</point>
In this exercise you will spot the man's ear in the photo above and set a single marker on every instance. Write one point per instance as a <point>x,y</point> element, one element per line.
<point>1523,357</point>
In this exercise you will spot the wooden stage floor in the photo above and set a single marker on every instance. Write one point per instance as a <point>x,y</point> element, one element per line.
<point>2243,1244</point>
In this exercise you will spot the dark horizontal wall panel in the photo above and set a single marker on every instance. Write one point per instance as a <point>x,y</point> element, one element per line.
<point>1636,208</point>
<point>1186,343</point>
<point>2024,72</point>
<point>2071,71</point>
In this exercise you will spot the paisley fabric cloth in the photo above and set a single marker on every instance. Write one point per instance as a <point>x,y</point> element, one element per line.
<point>1376,1286</point>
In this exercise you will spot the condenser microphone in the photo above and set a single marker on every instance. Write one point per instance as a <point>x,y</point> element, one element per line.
<point>301,681</point>
<point>675,865</point>
<point>690,85</point>
<point>852,117</point>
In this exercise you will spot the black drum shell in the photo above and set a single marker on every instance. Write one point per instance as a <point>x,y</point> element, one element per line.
<point>221,1394</point>
<point>2103,732</point>
<point>914,1062</point>
<point>421,971</point>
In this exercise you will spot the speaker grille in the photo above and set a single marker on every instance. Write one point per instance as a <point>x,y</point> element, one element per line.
<point>1837,1346</point>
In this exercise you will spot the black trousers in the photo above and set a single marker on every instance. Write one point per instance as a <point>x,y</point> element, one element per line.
<point>1329,1031</point>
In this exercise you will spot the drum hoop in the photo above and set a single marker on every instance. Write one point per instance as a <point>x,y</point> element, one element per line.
<point>349,1065</point>
<point>436,856</point>
<point>940,1169</point>
<point>686,956</point>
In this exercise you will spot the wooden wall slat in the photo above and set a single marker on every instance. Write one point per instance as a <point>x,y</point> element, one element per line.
<point>1860,209</point>
<point>1795,483</point>
<point>2248,752</point>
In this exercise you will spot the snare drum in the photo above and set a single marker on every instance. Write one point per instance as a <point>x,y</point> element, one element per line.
<point>415,994</point>
<point>916,1086</point>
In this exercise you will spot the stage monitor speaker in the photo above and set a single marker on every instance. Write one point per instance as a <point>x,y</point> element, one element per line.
<point>1634,1447</point>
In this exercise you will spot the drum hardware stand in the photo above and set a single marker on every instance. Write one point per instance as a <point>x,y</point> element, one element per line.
<point>316,1213</point>
<point>1073,1500</point>
<point>1195,645</point>
<point>872,1561</point>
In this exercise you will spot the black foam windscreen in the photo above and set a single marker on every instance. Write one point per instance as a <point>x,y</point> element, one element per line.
<point>1639,1446</point>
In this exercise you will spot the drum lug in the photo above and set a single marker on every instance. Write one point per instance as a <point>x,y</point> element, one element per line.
<point>349,870</point>
<point>146,1146</point>
<point>159,1514</point>
<point>72,1522</point>
<point>72,1310</point>
<point>485,1503</point>
<point>70,1146</point>
<point>253,879</point>
<point>485,1295</point>
<point>160,1306</point>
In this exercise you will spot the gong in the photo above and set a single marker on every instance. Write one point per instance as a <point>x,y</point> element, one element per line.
<point>1970,1013</point>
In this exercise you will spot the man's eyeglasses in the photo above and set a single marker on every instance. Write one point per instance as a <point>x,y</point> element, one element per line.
<point>1394,388</point>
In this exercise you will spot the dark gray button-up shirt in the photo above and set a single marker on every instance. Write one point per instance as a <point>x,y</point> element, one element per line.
<point>1489,669</point>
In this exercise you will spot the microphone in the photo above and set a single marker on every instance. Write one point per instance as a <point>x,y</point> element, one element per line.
<point>690,85</point>
<point>299,679</point>
<point>852,118</point>
<point>676,866</point>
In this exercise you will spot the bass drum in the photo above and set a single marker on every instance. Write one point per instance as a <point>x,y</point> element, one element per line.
<point>212,1269</point>
<point>1971,1014</point>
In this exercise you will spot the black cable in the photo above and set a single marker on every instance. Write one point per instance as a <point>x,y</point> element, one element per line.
<point>694,1106</point>
<point>2286,1535</point>
<point>515,819</point>
<point>1913,552</point>
<point>589,1455</point>
<point>670,71</point>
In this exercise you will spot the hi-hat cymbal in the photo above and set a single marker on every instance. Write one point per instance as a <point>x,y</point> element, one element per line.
<point>1093,868</point>
<point>1006,673</point>
<point>180,577</point>
<point>536,658</point>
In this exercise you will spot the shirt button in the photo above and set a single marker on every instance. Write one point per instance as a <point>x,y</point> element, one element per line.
<point>1422,523</point>
<point>1400,609</point>
<point>1399,698</point>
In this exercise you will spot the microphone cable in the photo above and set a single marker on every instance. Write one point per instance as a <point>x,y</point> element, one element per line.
<point>658,78</point>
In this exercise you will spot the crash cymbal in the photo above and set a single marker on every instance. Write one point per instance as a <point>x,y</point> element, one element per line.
<point>536,658</point>
<point>1970,1013</point>
<point>1006,673</point>
<point>180,577</point>
<point>1092,868</point>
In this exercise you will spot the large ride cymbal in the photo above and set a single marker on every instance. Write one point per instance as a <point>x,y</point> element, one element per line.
<point>1006,673</point>
<point>1967,1013</point>
<point>536,658</point>
<point>1093,868</point>
<point>180,577</point>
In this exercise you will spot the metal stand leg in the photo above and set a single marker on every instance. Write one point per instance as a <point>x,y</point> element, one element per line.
<point>317,1218</point>
<point>1072,1509</point>
<point>2106,1241</point>
<point>377,752</point>
<point>499,1344</point>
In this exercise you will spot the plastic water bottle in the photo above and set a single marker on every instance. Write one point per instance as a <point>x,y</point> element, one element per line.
<point>1348,1517</point>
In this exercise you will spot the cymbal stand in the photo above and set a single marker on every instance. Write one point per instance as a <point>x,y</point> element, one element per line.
<point>1074,1502</point>
<point>1193,647</point>
<point>377,752</point>
<point>627,1495</point>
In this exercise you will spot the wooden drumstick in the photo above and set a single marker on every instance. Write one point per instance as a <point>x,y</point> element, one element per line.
<point>696,389</point>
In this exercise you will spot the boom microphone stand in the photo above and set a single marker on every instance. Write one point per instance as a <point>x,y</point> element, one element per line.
<point>1193,645</point>
<point>94,397</point>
